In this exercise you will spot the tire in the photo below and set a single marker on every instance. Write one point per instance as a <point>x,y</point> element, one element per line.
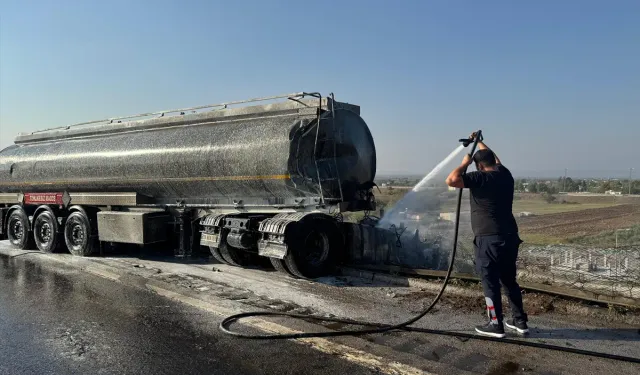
<point>312,249</point>
<point>78,235</point>
<point>216,255</point>
<point>233,256</point>
<point>280,266</point>
<point>46,233</point>
<point>18,230</point>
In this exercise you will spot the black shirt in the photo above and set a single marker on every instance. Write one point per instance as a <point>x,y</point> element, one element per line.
<point>491,201</point>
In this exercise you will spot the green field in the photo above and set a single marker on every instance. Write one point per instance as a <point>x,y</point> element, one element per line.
<point>601,239</point>
<point>626,237</point>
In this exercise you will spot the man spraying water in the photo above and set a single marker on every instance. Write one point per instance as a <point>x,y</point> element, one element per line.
<point>496,236</point>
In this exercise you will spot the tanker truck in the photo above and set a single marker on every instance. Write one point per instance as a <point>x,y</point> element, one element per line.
<point>267,177</point>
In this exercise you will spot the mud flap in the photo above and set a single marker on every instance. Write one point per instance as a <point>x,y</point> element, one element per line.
<point>212,234</point>
<point>272,244</point>
<point>272,249</point>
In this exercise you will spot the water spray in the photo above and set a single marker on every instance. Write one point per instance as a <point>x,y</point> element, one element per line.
<point>434,172</point>
<point>374,328</point>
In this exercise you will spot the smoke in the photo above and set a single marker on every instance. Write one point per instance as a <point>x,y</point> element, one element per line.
<point>424,219</point>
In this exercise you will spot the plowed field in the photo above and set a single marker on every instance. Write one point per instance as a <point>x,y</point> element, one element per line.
<point>582,222</point>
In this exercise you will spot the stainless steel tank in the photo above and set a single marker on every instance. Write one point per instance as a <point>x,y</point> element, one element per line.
<point>270,155</point>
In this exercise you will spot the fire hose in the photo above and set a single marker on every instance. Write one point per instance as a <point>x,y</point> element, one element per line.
<point>376,328</point>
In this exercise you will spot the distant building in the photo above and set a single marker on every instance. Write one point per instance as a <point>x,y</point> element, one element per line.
<point>611,192</point>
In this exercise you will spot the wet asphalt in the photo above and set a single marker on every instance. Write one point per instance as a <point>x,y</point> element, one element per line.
<point>67,322</point>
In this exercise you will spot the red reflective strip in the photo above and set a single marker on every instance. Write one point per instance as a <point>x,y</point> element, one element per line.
<point>494,318</point>
<point>491,308</point>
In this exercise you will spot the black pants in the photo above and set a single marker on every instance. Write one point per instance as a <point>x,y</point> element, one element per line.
<point>496,263</point>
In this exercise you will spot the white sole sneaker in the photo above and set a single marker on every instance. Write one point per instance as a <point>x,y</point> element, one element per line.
<point>491,334</point>
<point>519,330</point>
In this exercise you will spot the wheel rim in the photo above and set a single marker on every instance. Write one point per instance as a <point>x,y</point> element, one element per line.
<point>76,234</point>
<point>316,246</point>
<point>44,233</point>
<point>16,230</point>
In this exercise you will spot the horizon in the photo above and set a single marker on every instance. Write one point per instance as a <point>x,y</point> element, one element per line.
<point>551,88</point>
<point>538,175</point>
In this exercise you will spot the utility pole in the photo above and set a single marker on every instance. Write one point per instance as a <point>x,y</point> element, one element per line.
<point>630,171</point>
<point>564,182</point>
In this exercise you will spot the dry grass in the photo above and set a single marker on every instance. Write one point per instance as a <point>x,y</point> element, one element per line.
<point>581,223</point>
<point>540,207</point>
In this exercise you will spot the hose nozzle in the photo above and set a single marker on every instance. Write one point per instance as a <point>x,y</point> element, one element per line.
<point>475,137</point>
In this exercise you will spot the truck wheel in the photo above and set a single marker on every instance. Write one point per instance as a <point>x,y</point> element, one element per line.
<point>216,255</point>
<point>280,266</point>
<point>45,232</point>
<point>18,230</point>
<point>78,235</point>
<point>312,249</point>
<point>233,256</point>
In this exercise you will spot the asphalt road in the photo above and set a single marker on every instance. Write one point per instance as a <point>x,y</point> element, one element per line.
<point>71,322</point>
<point>123,314</point>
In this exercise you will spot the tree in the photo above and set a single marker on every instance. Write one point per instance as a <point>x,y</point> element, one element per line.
<point>543,188</point>
<point>566,185</point>
<point>604,186</point>
<point>533,187</point>
<point>617,185</point>
<point>583,186</point>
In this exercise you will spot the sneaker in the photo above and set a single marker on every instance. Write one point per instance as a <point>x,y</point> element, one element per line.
<point>517,325</point>
<point>491,330</point>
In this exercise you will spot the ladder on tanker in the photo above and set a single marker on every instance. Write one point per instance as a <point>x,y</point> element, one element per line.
<point>327,166</point>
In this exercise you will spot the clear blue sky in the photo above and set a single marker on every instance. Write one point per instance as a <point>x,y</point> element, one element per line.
<point>554,84</point>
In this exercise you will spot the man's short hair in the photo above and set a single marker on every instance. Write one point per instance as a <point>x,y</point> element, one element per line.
<point>485,157</point>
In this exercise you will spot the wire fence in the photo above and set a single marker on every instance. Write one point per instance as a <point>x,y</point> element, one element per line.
<point>613,272</point>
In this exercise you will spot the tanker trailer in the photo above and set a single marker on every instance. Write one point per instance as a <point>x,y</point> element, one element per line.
<point>245,180</point>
